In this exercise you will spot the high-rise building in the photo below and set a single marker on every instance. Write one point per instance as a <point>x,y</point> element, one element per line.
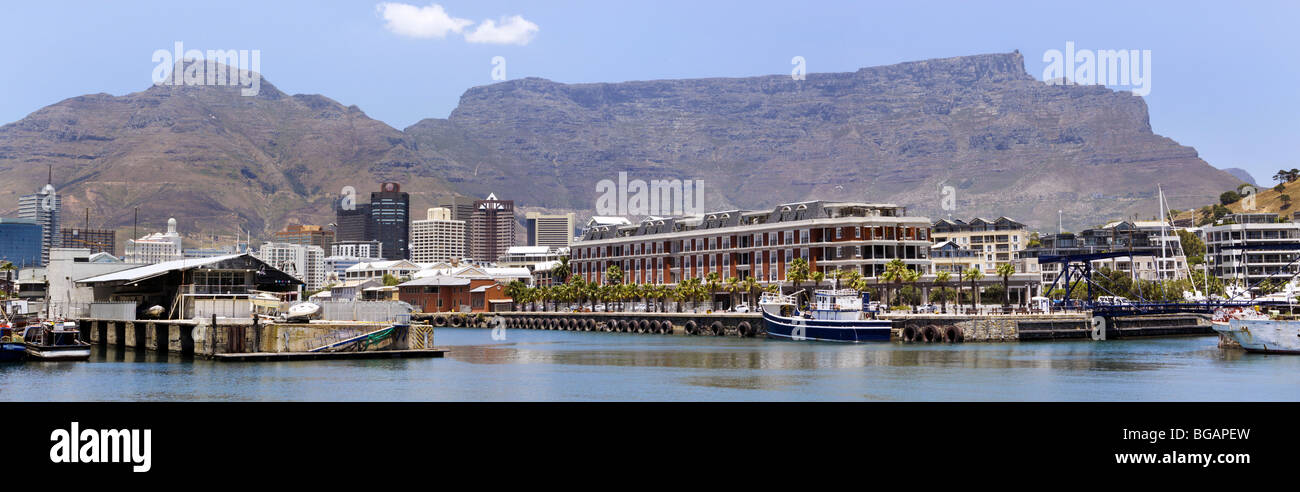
<point>96,240</point>
<point>390,219</point>
<point>492,228</point>
<point>155,248</point>
<point>354,224</point>
<point>437,238</point>
<point>360,249</point>
<point>549,229</point>
<point>462,209</point>
<point>43,207</point>
<point>306,235</point>
<point>304,262</point>
<point>20,242</point>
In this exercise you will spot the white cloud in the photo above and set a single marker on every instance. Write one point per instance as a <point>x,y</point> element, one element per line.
<point>512,30</point>
<point>420,22</point>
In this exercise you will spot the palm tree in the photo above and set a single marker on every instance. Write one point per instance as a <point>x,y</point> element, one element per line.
<point>910,277</point>
<point>514,290</point>
<point>562,271</point>
<point>894,273</point>
<point>797,272</point>
<point>941,279</point>
<point>836,275</point>
<point>713,283</point>
<point>613,274</point>
<point>817,278</point>
<point>732,287</point>
<point>973,274</point>
<point>750,285</point>
<point>1006,270</point>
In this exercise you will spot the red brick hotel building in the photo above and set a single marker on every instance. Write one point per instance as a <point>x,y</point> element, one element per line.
<point>739,243</point>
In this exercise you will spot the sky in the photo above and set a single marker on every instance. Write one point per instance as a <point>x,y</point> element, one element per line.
<point>1224,77</point>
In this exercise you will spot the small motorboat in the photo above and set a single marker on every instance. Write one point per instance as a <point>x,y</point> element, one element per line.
<point>55,341</point>
<point>836,316</point>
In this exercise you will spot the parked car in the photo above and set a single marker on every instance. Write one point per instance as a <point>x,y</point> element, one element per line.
<point>741,308</point>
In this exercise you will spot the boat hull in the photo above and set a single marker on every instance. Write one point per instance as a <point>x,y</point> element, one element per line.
<point>851,331</point>
<point>59,352</point>
<point>12,351</point>
<point>1263,336</point>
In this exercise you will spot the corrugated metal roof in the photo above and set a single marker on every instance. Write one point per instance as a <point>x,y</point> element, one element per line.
<point>134,274</point>
<point>436,280</point>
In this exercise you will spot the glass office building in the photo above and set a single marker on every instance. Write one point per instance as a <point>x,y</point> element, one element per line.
<point>21,241</point>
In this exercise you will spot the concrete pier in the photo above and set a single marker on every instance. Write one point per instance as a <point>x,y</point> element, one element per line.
<point>240,336</point>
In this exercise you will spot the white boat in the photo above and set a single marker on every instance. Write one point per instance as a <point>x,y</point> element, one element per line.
<point>836,316</point>
<point>1255,332</point>
<point>55,341</point>
<point>302,311</point>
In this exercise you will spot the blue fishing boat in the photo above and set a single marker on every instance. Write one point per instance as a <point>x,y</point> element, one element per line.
<point>12,347</point>
<point>835,316</point>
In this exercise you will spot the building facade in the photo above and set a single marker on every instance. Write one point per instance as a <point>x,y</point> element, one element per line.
<point>305,263</point>
<point>994,242</point>
<point>306,235</point>
<point>1247,248</point>
<point>21,243</point>
<point>492,229</point>
<point>829,235</point>
<point>43,208</point>
<point>155,248</point>
<point>95,240</point>
<point>437,238</point>
<point>352,225</point>
<point>555,230</point>
<point>390,218</point>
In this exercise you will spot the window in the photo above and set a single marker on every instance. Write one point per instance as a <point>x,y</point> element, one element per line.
<point>839,233</point>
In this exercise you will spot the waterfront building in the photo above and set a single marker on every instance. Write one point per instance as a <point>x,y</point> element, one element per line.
<point>829,235</point>
<point>1246,248</point>
<point>390,220</point>
<point>492,228</point>
<point>948,256</point>
<point>43,208</point>
<point>437,238</point>
<point>157,247</point>
<point>305,263</point>
<point>67,298</point>
<point>21,243</point>
<point>445,293</point>
<point>603,221</point>
<point>306,235</point>
<point>1155,247</point>
<point>543,274</point>
<point>549,229</point>
<point>96,240</point>
<point>357,249</point>
<point>191,288</point>
<point>993,242</point>
<point>528,256</point>
<point>399,269</point>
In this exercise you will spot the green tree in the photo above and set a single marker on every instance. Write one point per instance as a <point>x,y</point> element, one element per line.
<point>390,280</point>
<point>562,270</point>
<point>1229,197</point>
<point>1193,247</point>
<point>973,274</point>
<point>941,280</point>
<point>796,272</point>
<point>614,274</point>
<point>1006,270</point>
<point>893,274</point>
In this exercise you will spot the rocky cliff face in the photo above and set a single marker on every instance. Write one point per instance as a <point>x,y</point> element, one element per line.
<point>1005,143</point>
<point>217,161</point>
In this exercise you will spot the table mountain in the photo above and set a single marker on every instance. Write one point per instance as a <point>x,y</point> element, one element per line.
<point>1007,143</point>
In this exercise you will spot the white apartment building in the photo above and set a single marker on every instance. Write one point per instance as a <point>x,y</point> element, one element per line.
<point>1247,248</point>
<point>305,263</point>
<point>157,247</point>
<point>437,238</point>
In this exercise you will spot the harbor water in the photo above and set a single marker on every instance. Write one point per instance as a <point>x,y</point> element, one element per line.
<point>534,365</point>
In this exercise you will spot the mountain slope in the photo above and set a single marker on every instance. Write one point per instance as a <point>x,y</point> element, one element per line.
<point>1006,143</point>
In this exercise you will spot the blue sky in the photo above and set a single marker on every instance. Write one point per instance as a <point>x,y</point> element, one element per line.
<point>1225,75</point>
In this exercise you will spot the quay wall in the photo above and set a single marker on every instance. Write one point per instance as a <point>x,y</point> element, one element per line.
<point>198,337</point>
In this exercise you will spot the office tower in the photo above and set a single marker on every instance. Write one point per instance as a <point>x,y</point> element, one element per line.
<point>20,243</point>
<point>352,225</point>
<point>437,238</point>
<point>549,229</point>
<point>492,228</point>
<point>43,207</point>
<point>390,220</point>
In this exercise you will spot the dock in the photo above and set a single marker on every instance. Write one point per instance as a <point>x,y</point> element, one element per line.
<point>373,354</point>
